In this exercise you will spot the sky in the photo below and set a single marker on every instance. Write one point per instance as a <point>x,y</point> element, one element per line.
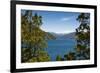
<point>58,22</point>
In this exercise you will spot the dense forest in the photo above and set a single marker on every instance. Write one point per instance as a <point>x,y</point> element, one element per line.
<point>34,39</point>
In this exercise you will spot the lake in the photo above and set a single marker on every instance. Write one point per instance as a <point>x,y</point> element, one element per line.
<point>60,47</point>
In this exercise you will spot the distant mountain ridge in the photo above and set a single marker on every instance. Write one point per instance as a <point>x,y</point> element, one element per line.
<point>63,35</point>
<point>50,36</point>
<point>69,35</point>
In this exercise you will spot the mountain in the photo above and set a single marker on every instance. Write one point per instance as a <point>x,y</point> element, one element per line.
<point>63,35</point>
<point>50,36</point>
<point>56,34</point>
<point>69,35</point>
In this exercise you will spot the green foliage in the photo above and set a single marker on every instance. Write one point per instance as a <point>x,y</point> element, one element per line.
<point>82,49</point>
<point>43,57</point>
<point>33,37</point>
<point>58,58</point>
<point>50,36</point>
<point>25,54</point>
<point>70,56</point>
<point>83,36</point>
<point>37,20</point>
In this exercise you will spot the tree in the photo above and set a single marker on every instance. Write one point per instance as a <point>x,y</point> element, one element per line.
<point>58,58</point>
<point>70,56</point>
<point>43,57</point>
<point>32,37</point>
<point>37,20</point>
<point>26,51</point>
<point>83,36</point>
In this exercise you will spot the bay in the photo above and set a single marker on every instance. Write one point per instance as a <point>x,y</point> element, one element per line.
<point>60,47</point>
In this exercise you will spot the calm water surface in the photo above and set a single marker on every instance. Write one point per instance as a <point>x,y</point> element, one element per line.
<point>60,47</point>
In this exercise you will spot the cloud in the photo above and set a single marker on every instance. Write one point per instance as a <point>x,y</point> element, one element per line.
<point>65,19</point>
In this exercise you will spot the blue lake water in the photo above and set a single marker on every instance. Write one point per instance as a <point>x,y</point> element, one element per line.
<point>60,47</point>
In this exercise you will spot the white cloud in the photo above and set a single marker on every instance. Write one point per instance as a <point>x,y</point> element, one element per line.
<point>65,19</point>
